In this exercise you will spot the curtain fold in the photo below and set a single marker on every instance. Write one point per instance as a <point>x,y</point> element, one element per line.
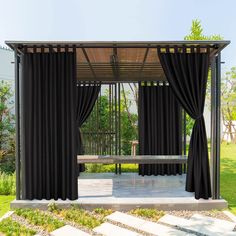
<point>49,120</point>
<point>160,128</point>
<point>87,94</point>
<point>187,74</point>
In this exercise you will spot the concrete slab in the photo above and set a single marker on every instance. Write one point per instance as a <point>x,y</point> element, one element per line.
<point>108,229</point>
<point>205,226</point>
<point>162,230</point>
<point>230,215</point>
<point>128,191</point>
<point>212,226</point>
<point>175,221</point>
<point>144,225</point>
<point>68,230</point>
<point>126,219</point>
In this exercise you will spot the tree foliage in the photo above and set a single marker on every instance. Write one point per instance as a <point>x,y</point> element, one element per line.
<point>99,129</point>
<point>196,33</point>
<point>7,128</point>
<point>228,104</point>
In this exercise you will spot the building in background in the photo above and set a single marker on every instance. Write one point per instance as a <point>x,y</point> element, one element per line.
<point>6,64</point>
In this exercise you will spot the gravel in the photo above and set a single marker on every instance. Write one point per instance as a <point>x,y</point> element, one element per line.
<point>187,214</point>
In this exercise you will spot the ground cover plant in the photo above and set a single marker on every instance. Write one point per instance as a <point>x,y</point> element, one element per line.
<point>40,218</point>
<point>149,213</point>
<point>9,227</point>
<point>78,216</point>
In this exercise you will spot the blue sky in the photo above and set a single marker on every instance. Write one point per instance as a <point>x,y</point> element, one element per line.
<point>117,20</point>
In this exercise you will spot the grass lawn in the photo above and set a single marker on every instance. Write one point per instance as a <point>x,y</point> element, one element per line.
<point>5,203</point>
<point>228,174</point>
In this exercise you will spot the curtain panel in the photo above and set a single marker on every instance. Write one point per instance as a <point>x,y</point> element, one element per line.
<point>49,135</point>
<point>187,73</point>
<point>86,96</point>
<point>160,127</point>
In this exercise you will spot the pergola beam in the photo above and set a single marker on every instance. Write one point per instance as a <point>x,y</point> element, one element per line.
<point>114,61</point>
<point>144,59</point>
<point>88,60</point>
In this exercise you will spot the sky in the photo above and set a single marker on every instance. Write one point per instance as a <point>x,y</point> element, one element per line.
<point>120,20</point>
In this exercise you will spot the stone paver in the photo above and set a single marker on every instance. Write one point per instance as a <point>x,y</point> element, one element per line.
<point>201,224</point>
<point>126,219</point>
<point>230,215</point>
<point>108,229</point>
<point>162,230</point>
<point>68,230</point>
<point>144,225</point>
<point>213,225</point>
<point>6,215</point>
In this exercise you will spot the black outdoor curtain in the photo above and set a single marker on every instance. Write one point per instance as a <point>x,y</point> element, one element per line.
<point>87,94</point>
<point>49,126</point>
<point>187,73</point>
<point>160,127</point>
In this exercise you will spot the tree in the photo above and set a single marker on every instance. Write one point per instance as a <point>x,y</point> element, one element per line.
<point>228,105</point>
<point>99,129</point>
<point>7,128</point>
<point>196,33</point>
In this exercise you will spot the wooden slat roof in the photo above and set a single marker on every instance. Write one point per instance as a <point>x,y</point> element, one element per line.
<point>112,61</point>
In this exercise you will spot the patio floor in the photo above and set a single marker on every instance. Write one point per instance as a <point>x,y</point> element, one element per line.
<point>131,185</point>
<point>130,190</point>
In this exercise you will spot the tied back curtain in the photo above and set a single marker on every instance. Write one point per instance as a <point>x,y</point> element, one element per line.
<point>49,130</point>
<point>160,127</point>
<point>187,74</point>
<point>87,95</point>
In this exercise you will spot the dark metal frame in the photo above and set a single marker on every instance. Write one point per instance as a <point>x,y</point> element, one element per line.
<point>18,47</point>
<point>17,111</point>
<point>215,125</point>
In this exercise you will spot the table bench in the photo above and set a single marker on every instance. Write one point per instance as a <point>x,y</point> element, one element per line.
<point>138,159</point>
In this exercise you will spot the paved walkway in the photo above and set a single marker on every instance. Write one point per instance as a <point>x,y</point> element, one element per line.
<point>122,224</point>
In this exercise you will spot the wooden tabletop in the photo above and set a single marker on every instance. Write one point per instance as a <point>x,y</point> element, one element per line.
<point>139,159</point>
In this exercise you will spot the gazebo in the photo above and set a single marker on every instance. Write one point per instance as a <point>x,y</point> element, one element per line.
<point>49,77</point>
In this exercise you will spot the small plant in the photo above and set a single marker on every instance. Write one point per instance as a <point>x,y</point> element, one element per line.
<point>152,214</point>
<point>102,212</point>
<point>7,184</point>
<point>80,216</point>
<point>40,218</point>
<point>52,207</point>
<point>9,227</point>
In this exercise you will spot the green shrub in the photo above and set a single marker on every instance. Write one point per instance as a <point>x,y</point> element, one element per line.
<point>103,168</point>
<point>9,227</point>
<point>7,164</point>
<point>94,168</point>
<point>7,184</point>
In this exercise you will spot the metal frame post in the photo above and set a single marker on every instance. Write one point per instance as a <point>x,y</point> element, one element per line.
<point>17,126</point>
<point>215,125</point>
<point>185,143</point>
